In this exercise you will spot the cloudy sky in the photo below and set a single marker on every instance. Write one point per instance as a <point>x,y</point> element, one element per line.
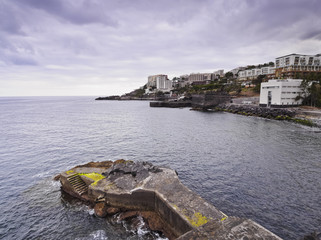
<point>105,47</point>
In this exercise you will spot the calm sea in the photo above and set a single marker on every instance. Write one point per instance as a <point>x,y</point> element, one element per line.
<point>266,170</point>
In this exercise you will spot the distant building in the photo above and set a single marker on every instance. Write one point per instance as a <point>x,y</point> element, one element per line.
<point>219,73</point>
<point>280,93</point>
<point>235,71</point>
<point>200,77</point>
<point>163,84</point>
<point>251,74</point>
<point>153,79</point>
<point>182,81</point>
<point>290,65</point>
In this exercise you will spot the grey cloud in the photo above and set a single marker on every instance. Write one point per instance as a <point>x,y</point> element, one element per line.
<point>316,34</point>
<point>8,19</point>
<point>76,12</point>
<point>109,41</point>
<point>18,60</point>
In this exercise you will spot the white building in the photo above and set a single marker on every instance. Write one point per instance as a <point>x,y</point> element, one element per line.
<point>289,65</point>
<point>219,73</point>
<point>251,74</point>
<point>236,70</point>
<point>163,84</point>
<point>152,79</point>
<point>280,93</point>
<point>199,77</point>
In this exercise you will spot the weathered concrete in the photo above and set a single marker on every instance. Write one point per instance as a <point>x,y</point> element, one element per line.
<point>143,187</point>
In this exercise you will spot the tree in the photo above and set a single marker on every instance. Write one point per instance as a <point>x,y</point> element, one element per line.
<point>229,75</point>
<point>311,87</point>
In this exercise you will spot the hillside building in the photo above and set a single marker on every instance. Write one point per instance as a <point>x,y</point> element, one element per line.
<point>290,65</point>
<point>280,93</point>
<point>251,74</point>
<point>159,82</point>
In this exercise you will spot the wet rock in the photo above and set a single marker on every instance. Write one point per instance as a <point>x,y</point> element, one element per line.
<point>313,236</point>
<point>101,209</point>
<point>57,177</point>
<point>112,211</point>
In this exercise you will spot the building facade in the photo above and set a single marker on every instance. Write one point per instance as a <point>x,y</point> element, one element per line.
<point>163,84</point>
<point>290,65</point>
<point>251,74</point>
<point>219,73</point>
<point>199,77</point>
<point>153,79</point>
<point>280,93</point>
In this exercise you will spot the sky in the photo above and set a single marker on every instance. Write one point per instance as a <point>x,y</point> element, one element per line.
<point>109,47</point>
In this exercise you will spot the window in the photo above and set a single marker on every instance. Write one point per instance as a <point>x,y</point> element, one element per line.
<point>287,61</point>
<point>302,61</point>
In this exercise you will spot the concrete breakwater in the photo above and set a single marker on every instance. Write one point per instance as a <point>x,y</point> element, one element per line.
<point>155,193</point>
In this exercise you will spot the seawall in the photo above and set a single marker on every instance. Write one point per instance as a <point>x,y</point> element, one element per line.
<point>139,186</point>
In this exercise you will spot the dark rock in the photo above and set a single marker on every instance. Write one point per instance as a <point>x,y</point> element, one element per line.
<point>171,104</point>
<point>101,209</point>
<point>116,97</point>
<point>112,210</point>
<point>313,236</point>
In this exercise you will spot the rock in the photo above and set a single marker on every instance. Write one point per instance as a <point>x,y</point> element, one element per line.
<point>57,177</point>
<point>313,236</point>
<point>101,209</point>
<point>112,210</point>
<point>128,214</point>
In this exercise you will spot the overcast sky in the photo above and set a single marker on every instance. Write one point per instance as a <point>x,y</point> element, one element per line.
<point>105,47</point>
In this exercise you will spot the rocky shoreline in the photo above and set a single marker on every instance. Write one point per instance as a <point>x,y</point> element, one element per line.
<point>289,114</point>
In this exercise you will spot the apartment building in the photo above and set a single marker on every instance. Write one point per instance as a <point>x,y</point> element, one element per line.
<point>163,84</point>
<point>199,77</point>
<point>289,66</point>
<point>219,73</point>
<point>280,93</point>
<point>251,74</point>
<point>153,79</point>
<point>160,82</point>
<point>236,71</point>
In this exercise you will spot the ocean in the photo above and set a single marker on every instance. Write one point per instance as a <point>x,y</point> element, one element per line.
<point>265,170</point>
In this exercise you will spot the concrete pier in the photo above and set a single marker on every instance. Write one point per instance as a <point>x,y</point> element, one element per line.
<point>140,186</point>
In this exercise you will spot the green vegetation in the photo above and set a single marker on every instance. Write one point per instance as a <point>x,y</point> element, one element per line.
<point>258,82</point>
<point>213,86</point>
<point>305,122</point>
<point>270,64</point>
<point>311,86</point>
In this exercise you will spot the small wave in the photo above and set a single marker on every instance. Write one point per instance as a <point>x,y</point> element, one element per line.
<point>96,235</point>
<point>91,211</point>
